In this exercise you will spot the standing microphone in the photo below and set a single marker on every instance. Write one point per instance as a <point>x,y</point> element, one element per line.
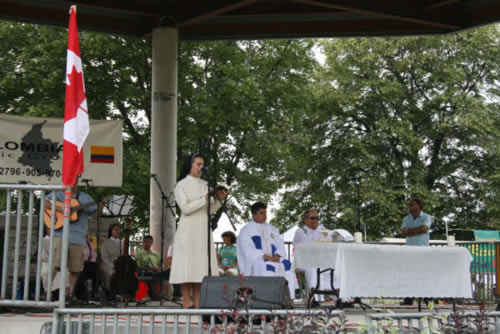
<point>153,175</point>
<point>203,170</point>
<point>87,182</point>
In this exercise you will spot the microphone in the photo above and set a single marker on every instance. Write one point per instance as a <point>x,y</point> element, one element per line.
<point>87,181</point>
<point>153,175</point>
<point>203,170</point>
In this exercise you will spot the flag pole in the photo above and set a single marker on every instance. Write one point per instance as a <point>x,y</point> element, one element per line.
<point>76,129</point>
<point>64,250</point>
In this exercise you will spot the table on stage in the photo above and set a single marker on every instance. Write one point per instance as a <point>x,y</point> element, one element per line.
<point>389,271</point>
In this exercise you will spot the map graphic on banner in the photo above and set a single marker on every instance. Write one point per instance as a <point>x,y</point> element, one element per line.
<point>35,136</point>
<point>31,151</point>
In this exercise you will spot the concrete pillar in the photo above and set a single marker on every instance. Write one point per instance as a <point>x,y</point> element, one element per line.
<point>163,131</point>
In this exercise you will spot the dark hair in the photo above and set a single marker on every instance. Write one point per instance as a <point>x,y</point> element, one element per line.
<point>110,229</point>
<point>230,235</point>
<point>187,164</point>
<point>146,237</point>
<point>416,200</point>
<point>257,206</point>
<point>307,212</point>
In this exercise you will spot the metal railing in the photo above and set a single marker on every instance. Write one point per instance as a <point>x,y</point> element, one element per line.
<point>174,320</point>
<point>12,262</point>
<point>288,247</point>
<point>78,321</point>
<point>483,269</point>
<point>433,322</point>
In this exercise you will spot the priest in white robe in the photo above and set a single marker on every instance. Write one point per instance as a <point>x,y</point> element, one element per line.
<point>261,250</point>
<point>312,232</point>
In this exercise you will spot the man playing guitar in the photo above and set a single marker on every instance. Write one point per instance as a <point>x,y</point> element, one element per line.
<point>77,231</point>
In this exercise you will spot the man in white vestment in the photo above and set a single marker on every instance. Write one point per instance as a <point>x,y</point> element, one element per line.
<point>261,251</point>
<point>311,232</point>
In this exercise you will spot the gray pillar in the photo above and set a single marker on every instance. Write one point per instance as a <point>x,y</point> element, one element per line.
<point>163,131</point>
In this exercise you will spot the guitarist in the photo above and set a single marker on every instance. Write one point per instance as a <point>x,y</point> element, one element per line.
<point>77,231</point>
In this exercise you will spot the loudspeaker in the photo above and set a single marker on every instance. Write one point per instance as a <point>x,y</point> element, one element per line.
<point>227,292</point>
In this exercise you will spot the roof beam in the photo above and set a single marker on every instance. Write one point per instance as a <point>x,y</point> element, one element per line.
<point>302,29</point>
<point>216,12</point>
<point>107,6</point>
<point>379,14</point>
<point>439,4</point>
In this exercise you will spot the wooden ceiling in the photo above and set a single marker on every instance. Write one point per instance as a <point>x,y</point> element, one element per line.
<point>260,19</point>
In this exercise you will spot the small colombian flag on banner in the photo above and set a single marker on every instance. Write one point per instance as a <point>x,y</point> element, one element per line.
<point>102,154</point>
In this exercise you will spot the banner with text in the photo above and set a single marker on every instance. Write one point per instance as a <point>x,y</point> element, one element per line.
<point>31,151</point>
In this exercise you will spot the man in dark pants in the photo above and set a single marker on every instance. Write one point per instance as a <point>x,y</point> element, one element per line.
<point>415,229</point>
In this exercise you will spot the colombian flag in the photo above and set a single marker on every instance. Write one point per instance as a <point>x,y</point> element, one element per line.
<point>102,154</point>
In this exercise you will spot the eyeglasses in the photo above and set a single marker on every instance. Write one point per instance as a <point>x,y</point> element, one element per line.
<point>313,218</point>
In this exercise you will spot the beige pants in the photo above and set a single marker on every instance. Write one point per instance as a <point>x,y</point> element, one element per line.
<point>228,272</point>
<point>75,256</point>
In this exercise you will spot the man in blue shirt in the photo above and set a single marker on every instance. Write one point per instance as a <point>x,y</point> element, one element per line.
<point>416,225</point>
<point>77,231</point>
<point>416,230</point>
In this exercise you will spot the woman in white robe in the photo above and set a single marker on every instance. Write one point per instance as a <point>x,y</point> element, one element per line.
<point>111,249</point>
<point>190,260</point>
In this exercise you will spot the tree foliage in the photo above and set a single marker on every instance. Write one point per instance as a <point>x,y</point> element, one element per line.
<point>403,117</point>
<point>241,106</point>
<point>392,117</point>
<point>240,103</point>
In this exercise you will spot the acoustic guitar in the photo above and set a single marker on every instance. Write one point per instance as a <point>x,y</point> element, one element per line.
<point>59,222</point>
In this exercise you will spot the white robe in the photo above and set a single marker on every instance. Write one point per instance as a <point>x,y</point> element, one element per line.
<point>44,272</point>
<point>190,263</point>
<point>111,249</point>
<point>256,240</point>
<point>305,234</point>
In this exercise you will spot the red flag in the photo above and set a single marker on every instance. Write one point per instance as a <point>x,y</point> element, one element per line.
<point>76,117</point>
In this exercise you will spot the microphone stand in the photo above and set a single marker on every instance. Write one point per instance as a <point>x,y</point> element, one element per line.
<point>97,277</point>
<point>164,201</point>
<point>224,209</point>
<point>209,229</point>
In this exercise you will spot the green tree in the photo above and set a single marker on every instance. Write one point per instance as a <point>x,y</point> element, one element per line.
<point>403,117</point>
<point>241,104</point>
<point>32,71</point>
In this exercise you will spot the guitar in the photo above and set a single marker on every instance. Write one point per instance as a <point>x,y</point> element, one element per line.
<point>59,222</point>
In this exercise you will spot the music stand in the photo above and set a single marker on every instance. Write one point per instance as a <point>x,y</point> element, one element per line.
<point>118,206</point>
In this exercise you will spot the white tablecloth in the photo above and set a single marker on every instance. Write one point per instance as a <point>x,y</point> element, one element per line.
<point>391,271</point>
<point>315,255</point>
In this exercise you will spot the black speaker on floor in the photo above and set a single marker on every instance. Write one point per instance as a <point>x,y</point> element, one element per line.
<point>229,292</point>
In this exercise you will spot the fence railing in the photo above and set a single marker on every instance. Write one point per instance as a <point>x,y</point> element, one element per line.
<point>71,321</point>
<point>22,265</point>
<point>174,320</point>
<point>483,269</point>
<point>434,322</point>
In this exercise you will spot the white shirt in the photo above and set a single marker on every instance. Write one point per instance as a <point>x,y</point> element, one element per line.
<point>306,234</point>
